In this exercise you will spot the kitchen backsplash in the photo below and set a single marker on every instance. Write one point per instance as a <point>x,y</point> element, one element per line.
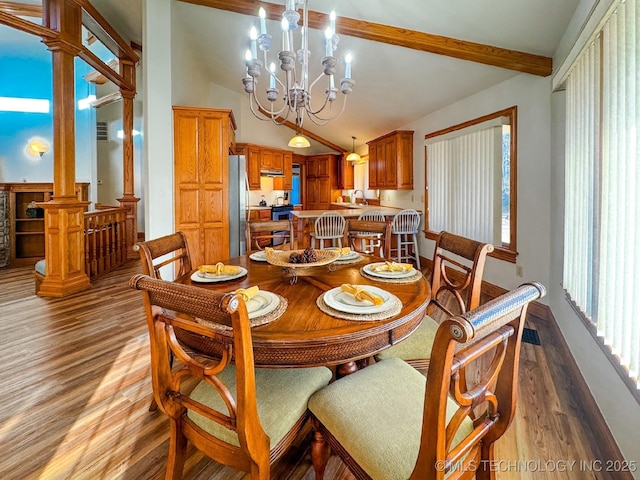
<point>266,189</point>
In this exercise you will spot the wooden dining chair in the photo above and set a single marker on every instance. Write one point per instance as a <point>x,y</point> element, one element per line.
<point>239,416</point>
<point>369,241</point>
<point>369,236</point>
<point>387,422</point>
<point>455,289</point>
<point>328,227</point>
<point>169,250</point>
<point>266,233</point>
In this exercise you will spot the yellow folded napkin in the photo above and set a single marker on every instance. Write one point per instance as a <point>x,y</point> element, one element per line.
<point>362,294</point>
<point>345,251</point>
<point>219,269</point>
<point>393,267</point>
<point>247,293</point>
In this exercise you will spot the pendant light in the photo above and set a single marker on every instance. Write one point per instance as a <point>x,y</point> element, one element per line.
<point>353,156</point>
<point>298,140</point>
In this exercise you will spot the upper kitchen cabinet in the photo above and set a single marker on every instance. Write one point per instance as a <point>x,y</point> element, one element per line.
<point>266,159</point>
<point>286,182</point>
<point>391,161</point>
<point>202,139</point>
<point>345,173</point>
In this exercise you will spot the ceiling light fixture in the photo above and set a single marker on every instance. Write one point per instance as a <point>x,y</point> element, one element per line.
<point>299,140</point>
<point>296,86</point>
<point>353,156</point>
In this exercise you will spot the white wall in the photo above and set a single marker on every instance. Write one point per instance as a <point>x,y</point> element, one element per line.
<point>531,95</point>
<point>158,138</point>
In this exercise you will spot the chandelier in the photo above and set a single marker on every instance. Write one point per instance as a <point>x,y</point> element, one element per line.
<point>292,95</point>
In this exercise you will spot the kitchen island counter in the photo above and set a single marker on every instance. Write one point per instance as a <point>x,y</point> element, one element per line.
<point>306,219</point>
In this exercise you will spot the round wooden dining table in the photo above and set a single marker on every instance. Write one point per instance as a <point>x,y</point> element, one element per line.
<point>304,335</point>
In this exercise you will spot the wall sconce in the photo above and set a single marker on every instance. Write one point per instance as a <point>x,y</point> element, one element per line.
<point>37,146</point>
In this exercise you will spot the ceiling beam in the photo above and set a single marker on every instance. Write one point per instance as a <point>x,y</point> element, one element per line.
<point>451,47</point>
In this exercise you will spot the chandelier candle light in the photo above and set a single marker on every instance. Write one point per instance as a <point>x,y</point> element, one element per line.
<point>295,85</point>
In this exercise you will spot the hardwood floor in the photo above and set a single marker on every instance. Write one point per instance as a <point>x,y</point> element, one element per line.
<point>75,392</point>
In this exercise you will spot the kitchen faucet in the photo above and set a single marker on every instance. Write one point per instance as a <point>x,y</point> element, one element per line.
<point>353,197</point>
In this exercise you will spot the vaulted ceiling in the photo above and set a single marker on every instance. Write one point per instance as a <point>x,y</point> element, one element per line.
<point>411,57</point>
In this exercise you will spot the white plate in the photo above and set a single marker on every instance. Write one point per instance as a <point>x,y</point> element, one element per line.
<point>346,256</point>
<point>345,302</point>
<point>212,277</point>
<point>263,303</point>
<point>258,256</point>
<point>399,274</point>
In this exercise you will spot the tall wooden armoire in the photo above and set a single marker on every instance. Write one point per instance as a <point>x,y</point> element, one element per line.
<point>202,140</point>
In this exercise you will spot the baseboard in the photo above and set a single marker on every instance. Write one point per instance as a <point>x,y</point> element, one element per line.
<point>140,236</point>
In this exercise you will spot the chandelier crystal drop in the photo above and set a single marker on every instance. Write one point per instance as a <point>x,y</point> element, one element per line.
<point>292,95</point>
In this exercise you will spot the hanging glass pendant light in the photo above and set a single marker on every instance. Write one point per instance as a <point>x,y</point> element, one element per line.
<point>353,156</point>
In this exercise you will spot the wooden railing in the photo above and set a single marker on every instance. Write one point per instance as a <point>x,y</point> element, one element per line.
<point>105,240</point>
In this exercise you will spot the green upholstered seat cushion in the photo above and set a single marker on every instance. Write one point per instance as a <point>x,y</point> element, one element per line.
<point>415,346</point>
<point>282,396</point>
<point>376,415</point>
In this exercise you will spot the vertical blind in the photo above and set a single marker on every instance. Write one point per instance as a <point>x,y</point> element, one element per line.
<point>602,219</point>
<point>465,181</point>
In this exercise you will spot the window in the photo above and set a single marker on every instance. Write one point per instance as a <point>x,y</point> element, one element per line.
<point>470,181</point>
<point>601,270</point>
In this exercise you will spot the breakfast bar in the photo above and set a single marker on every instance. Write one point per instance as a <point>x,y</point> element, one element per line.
<point>306,218</point>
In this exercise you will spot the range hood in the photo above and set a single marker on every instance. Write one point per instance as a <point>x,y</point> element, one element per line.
<point>271,173</point>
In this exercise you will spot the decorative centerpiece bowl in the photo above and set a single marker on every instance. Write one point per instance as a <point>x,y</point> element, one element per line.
<point>292,260</point>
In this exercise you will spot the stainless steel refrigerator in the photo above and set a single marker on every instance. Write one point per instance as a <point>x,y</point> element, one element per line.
<point>238,204</point>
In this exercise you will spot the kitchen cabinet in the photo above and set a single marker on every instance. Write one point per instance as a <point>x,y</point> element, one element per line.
<point>202,138</point>
<point>286,182</point>
<point>26,224</point>
<point>266,158</point>
<point>391,161</point>
<point>252,156</point>
<point>345,173</point>
<point>321,181</point>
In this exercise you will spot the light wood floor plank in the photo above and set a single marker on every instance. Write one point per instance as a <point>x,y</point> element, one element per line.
<point>75,392</point>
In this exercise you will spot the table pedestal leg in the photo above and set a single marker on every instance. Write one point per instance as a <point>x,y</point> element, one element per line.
<point>345,369</point>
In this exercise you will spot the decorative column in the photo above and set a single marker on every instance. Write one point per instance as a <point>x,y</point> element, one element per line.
<point>64,214</point>
<point>128,199</point>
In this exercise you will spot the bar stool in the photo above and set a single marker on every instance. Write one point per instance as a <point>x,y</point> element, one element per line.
<point>369,241</point>
<point>328,226</point>
<point>405,227</point>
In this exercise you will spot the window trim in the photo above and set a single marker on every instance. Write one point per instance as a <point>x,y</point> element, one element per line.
<point>503,252</point>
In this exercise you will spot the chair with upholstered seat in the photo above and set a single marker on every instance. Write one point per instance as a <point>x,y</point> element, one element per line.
<point>278,234</point>
<point>328,227</point>
<point>404,226</point>
<point>387,422</point>
<point>369,236</point>
<point>169,250</point>
<point>455,289</point>
<point>369,241</point>
<point>239,416</point>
